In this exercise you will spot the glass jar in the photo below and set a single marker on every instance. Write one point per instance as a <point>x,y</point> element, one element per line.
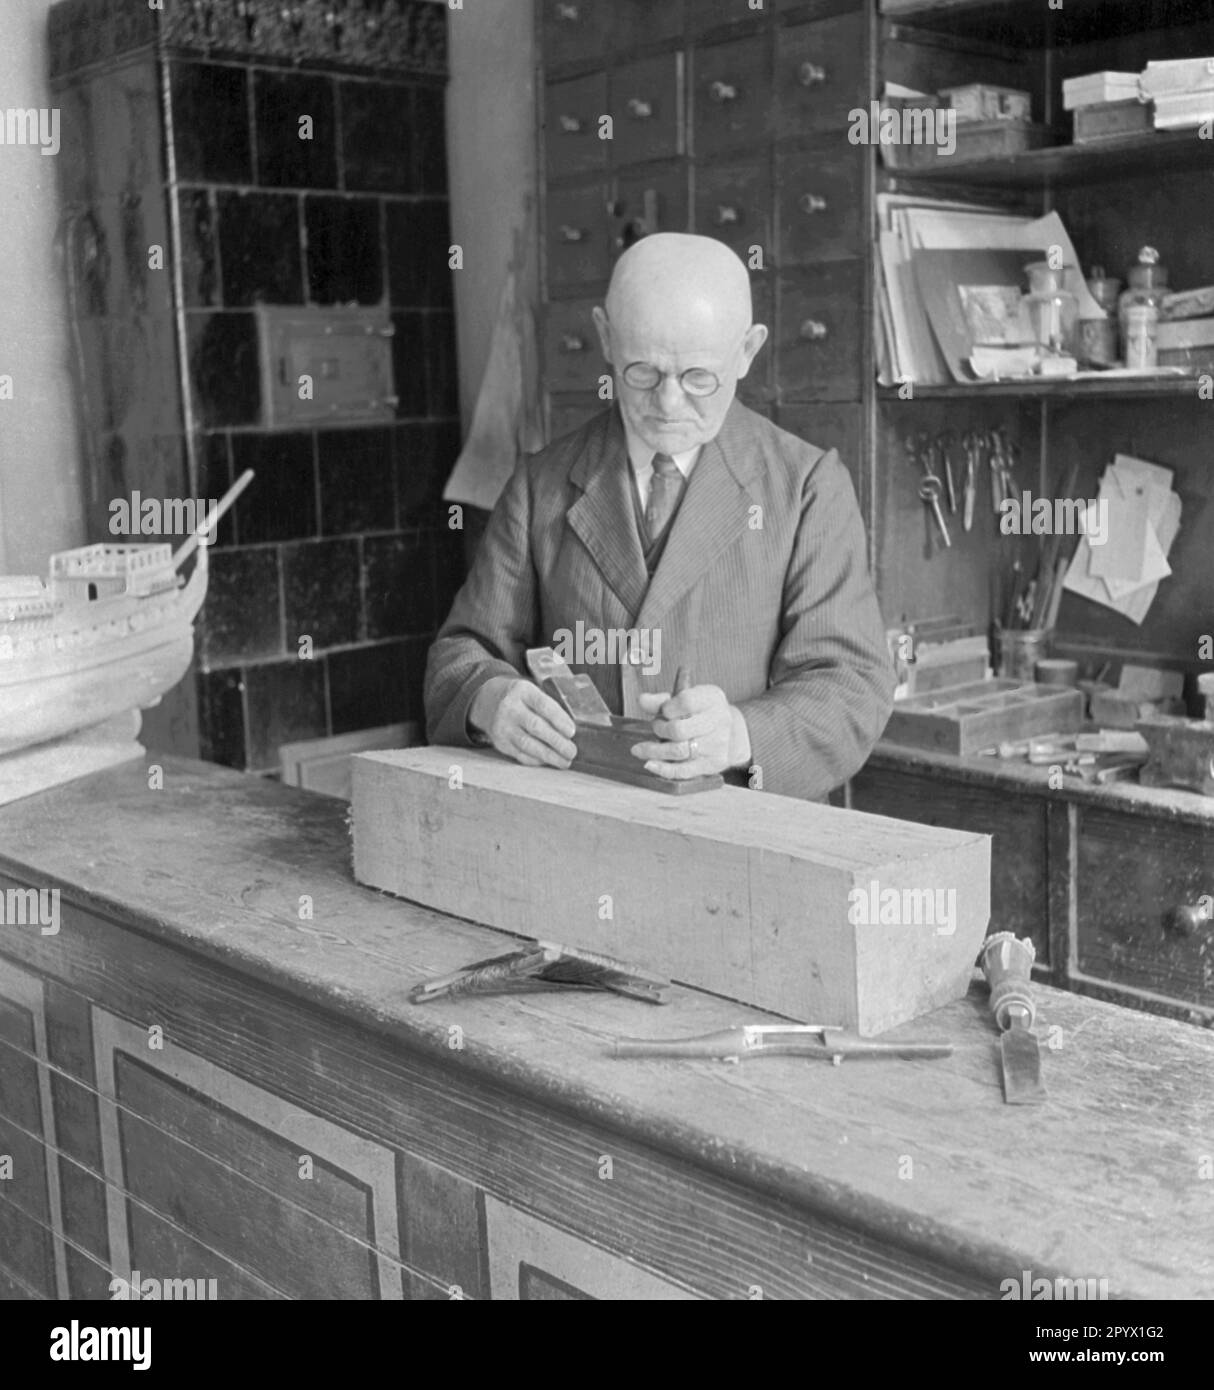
<point>1148,286</point>
<point>1053,310</point>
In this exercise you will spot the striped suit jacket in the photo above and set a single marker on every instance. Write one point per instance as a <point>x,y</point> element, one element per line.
<point>763,590</point>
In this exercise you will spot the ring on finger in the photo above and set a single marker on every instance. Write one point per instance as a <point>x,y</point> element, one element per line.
<point>693,748</point>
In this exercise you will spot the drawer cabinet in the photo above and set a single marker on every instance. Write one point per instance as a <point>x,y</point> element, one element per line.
<point>573,360</point>
<point>733,204</point>
<point>1019,860</point>
<point>577,231</point>
<point>646,104</point>
<point>831,427</point>
<point>574,30</point>
<point>820,326</point>
<point>572,111</point>
<point>653,199</point>
<point>820,75</point>
<point>1146,904</point>
<point>637,23</point>
<point>731,96</point>
<point>821,202</point>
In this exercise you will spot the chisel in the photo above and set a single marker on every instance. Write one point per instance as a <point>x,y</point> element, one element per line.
<point>1007,963</point>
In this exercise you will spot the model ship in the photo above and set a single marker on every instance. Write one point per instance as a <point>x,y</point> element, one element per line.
<point>110,630</point>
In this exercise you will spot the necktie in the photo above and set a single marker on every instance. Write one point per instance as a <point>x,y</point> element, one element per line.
<point>665,489</point>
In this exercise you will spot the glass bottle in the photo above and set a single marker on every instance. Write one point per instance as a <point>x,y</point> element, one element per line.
<point>1053,310</point>
<point>1148,284</point>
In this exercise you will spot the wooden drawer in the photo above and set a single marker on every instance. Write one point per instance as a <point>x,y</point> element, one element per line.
<point>731,97</point>
<point>1132,875</point>
<point>577,243</point>
<point>821,203</point>
<point>574,30</point>
<point>733,204</point>
<point>641,23</point>
<point>1019,862</point>
<point>573,360</point>
<point>566,413</point>
<point>820,326</point>
<point>648,200</point>
<point>831,427</point>
<point>703,15</point>
<point>572,111</point>
<point>646,104</point>
<point>820,74</point>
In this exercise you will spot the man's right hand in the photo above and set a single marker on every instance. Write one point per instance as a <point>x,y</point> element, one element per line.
<point>522,722</point>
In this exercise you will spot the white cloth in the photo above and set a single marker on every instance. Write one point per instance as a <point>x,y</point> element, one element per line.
<point>640,456</point>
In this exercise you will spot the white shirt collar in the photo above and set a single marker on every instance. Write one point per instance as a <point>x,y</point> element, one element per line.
<point>640,456</point>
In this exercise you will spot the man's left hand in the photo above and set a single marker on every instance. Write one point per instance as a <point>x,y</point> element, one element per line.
<point>698,733</point>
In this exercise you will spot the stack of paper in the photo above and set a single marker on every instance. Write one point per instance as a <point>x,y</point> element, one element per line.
<point>920,316</point>
<point>1138,516</point>
<point>1182,90</point>
<point>1095,88</point>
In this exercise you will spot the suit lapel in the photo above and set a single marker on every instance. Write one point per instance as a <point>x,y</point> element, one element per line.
<point>603,518</point>
<point>714,513</point>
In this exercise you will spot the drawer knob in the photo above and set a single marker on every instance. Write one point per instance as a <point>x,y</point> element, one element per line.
<point>572,234</point>
<point>813,330</point>
<point>811,75</point>
<point>1191,919</point>
<point>570,124</point>
<point>723,92</point>
<point>570,342</point>
<point>727,215</point>
<point>810,203</point>
<point>568,13</point>
<point>640,109</point>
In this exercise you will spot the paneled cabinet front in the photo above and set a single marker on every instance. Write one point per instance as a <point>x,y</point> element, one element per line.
<point>573,114</point>
<point>731,97</point>
<point>820,193</point>
<point>573,359</point>
<point>820,75</point>
<point>578,230</point>
<point>818,350</point>
<point>646,107</point>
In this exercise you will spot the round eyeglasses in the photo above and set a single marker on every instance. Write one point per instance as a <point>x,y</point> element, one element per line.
<point>696,381</point>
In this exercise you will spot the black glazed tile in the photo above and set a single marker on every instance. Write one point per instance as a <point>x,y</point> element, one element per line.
<point>284,159</point>
<point>153,468</point>
<point>416,651</point>
<point>321,595</point>
<point>442,372</point>
<point>398,585</point>
<point>409,363</point>
<point>211,123</point>
<point>214,479</point>
<point>224,372</point>
<point>280,503</point>
<point>425,456</point>
<point>377,137</point>
<point>199,252</point>
<point>286,701</point>
<point>259,249</point>
<point>221,718</point>
<point>356,481</point>
<point>241,620</point>
<point>430,139</point>
<point>369,686</point>
<point>418,245</point>
<point>345,262</point>
<point>450,570</point>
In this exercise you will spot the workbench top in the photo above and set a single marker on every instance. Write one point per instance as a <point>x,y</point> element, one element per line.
<point>1103,1181</point>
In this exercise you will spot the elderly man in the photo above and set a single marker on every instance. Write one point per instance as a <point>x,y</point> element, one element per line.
<point>733,549</point>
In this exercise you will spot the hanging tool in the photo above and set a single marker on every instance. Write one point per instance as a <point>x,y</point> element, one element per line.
<point>944,443</point>
<point>824,1041</point>
<point>1007,963</point>
<point>929,492</point>
<point>970,443</point>
<point>544,966</point>
<point>605,740</point>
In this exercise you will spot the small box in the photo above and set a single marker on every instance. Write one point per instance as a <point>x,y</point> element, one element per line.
<point>965,719</point>
<point>1112,120</point>
<point>1099,89</point>
<point>978,101</point>
<point>1177,77</point>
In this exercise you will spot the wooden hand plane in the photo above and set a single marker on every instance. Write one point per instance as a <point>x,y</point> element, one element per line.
<point>604,740</point>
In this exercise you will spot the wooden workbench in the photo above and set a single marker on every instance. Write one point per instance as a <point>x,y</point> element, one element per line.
<point>298,1129</point>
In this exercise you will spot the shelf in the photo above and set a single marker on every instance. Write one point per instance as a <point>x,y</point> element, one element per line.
<point>1034,23</point>
<point>1152,153</point>
<point>1170,387</point>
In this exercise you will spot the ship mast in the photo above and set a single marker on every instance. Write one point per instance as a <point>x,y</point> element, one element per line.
<point>192,542</point>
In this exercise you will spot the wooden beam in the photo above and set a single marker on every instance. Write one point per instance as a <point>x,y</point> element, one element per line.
<point>762,898</point>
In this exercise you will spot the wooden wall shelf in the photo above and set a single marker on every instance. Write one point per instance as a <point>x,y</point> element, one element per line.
<point>1118,387</point>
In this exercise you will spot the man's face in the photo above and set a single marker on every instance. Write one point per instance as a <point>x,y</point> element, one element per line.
<point>668,418</point>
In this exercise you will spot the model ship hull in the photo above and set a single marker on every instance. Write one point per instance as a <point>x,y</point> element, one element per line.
<point>126,655</point>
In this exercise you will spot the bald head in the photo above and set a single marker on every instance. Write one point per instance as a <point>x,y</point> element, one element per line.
<point>672,280</point>
<point>678,302</point>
